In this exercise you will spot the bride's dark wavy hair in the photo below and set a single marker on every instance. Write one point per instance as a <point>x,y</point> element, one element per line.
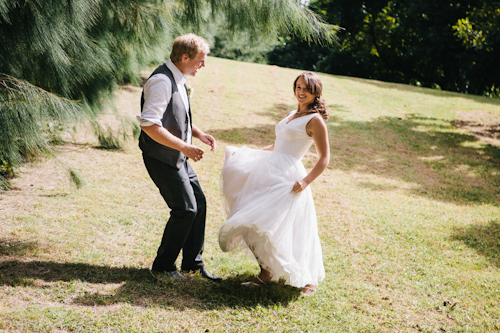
<point>315,87</point>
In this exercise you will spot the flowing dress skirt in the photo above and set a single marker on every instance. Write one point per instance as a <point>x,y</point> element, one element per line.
<point>263,214</point>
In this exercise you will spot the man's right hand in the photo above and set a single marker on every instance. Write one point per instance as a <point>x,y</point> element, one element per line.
<point>193,152</point>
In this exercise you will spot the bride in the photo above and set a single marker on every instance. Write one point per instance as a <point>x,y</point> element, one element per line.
<point>269,205</point>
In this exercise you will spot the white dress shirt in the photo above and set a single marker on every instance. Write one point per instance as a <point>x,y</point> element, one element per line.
<point>157,95</point>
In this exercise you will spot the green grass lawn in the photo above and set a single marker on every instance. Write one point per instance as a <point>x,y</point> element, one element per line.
<point>408,213</point>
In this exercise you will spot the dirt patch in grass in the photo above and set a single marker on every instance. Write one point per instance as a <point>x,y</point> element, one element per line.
<point>33,180</point>
<point>484,125</point>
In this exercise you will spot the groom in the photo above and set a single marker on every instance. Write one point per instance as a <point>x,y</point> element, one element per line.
<point>165,141</point>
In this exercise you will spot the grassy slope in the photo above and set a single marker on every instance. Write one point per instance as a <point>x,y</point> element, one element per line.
<point>408,213</point>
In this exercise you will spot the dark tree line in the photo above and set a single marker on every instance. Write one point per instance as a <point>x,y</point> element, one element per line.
<point>451,45</point>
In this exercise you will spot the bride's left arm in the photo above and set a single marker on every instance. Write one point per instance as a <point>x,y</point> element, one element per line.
<point>316,128</point>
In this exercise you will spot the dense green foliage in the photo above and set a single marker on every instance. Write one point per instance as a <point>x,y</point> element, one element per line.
<point>453,45</point>
<point>239,46</point>
<point>78,50</point>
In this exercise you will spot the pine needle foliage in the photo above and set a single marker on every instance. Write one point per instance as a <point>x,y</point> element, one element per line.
<point>46,42</point>
<point>62,59</point>
<point>107,138</point>
<point>76,178</point>
<point>23,109</point>
<point>262,19</point>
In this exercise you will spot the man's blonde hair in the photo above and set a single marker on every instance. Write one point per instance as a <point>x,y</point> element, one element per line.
<point>189,44</point>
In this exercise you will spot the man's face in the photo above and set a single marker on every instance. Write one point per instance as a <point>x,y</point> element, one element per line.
<point>192,66</point>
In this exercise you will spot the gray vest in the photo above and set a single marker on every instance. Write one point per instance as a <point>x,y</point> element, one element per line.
<point>174,119</point>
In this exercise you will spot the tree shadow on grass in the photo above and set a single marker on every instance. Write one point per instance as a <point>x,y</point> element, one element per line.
<point>12,246</point>
<point>439,161</point>
<point>434,157</point>
<point>484,239</point>
<point>137,287</point>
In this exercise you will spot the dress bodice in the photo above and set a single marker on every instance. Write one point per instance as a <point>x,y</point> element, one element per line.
<point>292,138</point>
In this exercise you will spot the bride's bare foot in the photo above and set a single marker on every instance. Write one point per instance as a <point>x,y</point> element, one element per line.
<point>263,278</point>
<point>308,290</point>
<point>257,282</point>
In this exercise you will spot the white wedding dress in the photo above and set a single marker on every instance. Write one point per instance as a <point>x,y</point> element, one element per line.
<point>264,215</point>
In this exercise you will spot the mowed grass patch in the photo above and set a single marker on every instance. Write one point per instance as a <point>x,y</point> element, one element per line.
<point>408,213</point>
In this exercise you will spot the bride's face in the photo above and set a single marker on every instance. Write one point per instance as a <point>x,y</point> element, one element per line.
<point>303,95</point>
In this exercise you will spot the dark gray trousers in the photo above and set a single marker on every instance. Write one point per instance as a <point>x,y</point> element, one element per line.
<point>185,229</point>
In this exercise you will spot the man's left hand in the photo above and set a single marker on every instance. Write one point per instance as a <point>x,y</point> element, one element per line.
<point>209,140</point>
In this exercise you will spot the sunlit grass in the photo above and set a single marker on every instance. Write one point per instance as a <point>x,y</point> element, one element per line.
<point>408,214</point>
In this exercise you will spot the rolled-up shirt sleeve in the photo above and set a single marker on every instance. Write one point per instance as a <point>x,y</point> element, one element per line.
<point>157,95</point>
